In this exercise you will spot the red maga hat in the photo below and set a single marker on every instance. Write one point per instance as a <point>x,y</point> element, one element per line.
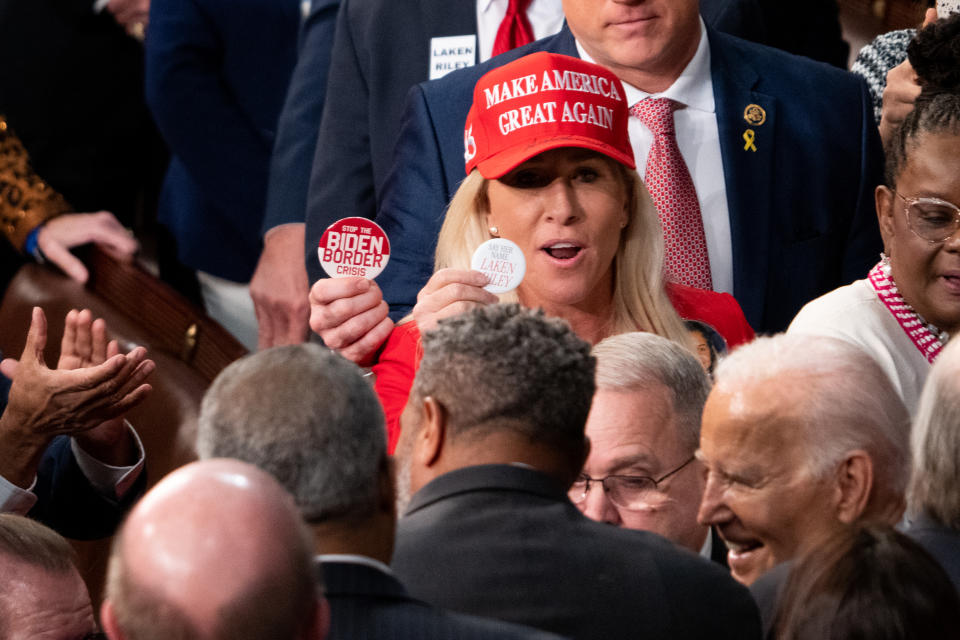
<point>540,102</point>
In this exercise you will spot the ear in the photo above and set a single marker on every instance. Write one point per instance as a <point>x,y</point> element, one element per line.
<point>854,486</point>
<point>432,434</point>
<point>320,626</point>
<point>884,201</point>
<point>108,620</point>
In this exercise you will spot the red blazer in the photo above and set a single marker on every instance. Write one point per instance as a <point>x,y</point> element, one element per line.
<point>400,357</point>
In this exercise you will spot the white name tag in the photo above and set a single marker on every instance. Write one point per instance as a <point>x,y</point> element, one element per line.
<point>450,53</point>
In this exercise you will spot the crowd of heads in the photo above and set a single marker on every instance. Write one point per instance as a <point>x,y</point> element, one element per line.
<point>791,451</point>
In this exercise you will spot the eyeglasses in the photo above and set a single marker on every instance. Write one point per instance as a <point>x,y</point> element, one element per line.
<point>932,219</point>
<point>627,492</point>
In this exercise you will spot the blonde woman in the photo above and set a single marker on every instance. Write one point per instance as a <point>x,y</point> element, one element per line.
<point>550,168</point>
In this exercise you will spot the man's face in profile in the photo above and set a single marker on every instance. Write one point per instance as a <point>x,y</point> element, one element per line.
<point>762,496</point>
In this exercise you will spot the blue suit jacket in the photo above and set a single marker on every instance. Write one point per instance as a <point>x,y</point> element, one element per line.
<point>801,205</point>
<point>381,49</point>
<point>217,73</point>
<point>367,604</point>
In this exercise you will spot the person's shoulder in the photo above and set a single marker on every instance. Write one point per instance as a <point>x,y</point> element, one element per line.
<point>701,595</point>
<point>682,295</point>
<point>718,309</point>
<point>852,304</point>
<point>890,43</point>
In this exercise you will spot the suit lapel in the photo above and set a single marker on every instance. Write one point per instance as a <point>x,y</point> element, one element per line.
<point>563,43</point>
<point>747,167</point>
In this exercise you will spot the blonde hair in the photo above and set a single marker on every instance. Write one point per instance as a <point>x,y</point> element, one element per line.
<point>639,299</point>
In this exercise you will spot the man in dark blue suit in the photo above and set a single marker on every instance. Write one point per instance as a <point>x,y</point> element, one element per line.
<point>381,49</point>
<point>321,413</point>
<point>216,77</point>
<point>789,191</point>
<point>279,283</point>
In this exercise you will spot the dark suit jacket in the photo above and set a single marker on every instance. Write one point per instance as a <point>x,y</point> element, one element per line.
<point>71,86</point>
<point>941,542</point>
<point>66,501</point>
<point>367,604</point>
<point>217,74</point>
<point>801,206</point>
<point>300,119</point>
<point>69,504</point>
<point>766,592</point>
<point>811,28</point>
<point>382,48</point>
<point>504,541</point>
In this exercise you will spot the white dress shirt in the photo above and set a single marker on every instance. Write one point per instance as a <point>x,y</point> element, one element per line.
<point>108,480</point>
<point>698,137</point>
<point>366,561</point>
<point>545,16</point>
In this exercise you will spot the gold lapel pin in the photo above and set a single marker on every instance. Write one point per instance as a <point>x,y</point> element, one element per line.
<point>754,115</point>
<point>748,137</point>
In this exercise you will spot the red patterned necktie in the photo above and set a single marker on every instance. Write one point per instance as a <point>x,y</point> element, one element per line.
<point>515,30</point>
<point>669,183</point>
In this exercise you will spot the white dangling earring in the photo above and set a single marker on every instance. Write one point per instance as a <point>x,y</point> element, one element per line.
<point>494,232</point>
<point>885,264</point>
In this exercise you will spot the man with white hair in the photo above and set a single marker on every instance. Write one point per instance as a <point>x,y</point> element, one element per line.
<point>801,437</point>
<point>644,427</point>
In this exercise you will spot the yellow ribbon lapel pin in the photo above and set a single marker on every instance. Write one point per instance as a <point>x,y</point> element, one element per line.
<point>755,116</point>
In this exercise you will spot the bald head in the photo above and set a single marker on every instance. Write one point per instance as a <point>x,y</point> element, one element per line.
<point>216,550</point>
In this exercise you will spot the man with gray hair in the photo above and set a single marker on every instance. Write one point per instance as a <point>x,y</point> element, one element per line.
<point>307,416</point>
<point>644,427</point>
<point>492,438</point>
<point>41,593</point>
<point>933,499</point>
<point>802,437</point>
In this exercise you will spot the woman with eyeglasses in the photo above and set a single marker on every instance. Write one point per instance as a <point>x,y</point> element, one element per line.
<point>907,308</point>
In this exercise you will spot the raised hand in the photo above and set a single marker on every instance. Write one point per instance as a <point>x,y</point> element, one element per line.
<point>351,316</point>
<point>45,402</point>
<point>450,292</point>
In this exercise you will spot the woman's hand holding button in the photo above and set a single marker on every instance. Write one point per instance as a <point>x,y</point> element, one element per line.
<point>448,293</point>
<point>350,315</point>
